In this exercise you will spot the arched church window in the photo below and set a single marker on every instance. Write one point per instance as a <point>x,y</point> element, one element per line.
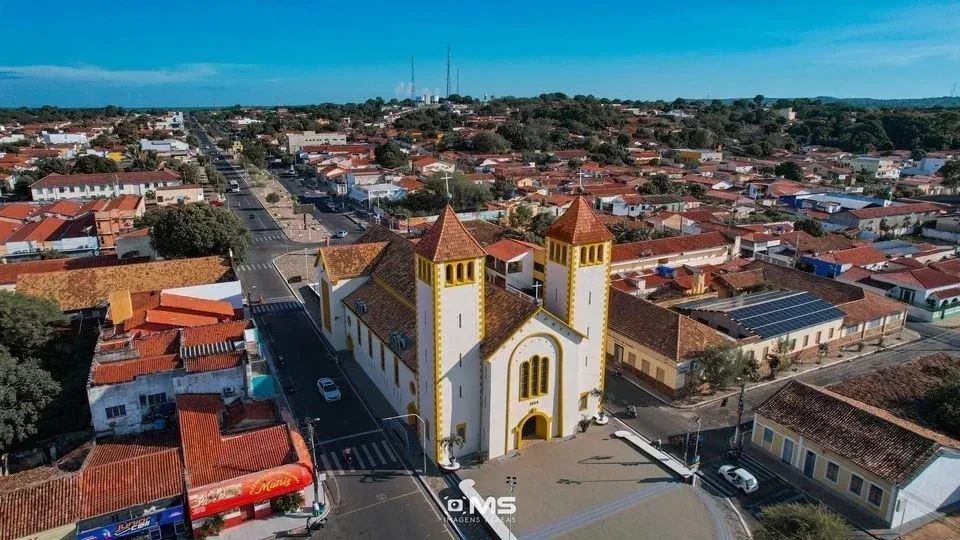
<point>600,253</point>
<point>543,376</point>
<point>524,380</point>
<point>535,376</point>
<point>583,255</point>
<point>459,272</point>
<point>470,271</point>
<point>449,274</point>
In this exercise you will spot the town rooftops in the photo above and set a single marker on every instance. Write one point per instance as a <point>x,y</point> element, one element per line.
<point>896,210</point>
<point>18,211</point>
<point>9,272</point>
<point>88,287</point>
<point>42,230</point>
<point>872,438</point>
<point>122,178</point>
<point>671,334</point>
<point>666,246</point>
<point>579,225</point>
<point>928,278</point>
<point>124,203</point>
<point>858,256</point>
<point>509,249</point>
<point>350,260</point>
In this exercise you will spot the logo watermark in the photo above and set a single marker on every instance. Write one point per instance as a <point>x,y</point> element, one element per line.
<point>473,509</point>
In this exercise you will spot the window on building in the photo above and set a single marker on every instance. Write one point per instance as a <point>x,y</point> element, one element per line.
<point>830,335</point>
<point>534,381</point>
<point>153,399</point>
<point>645,367</point>
<point>793,344</point>
<point>396,371</point>
<point>832,472</point>
<point>875,322</point>
<point>515,267</point>
<point>660,374</point>
<point>369,345</point>
<point>819,335</point>
<point>632,359</point>
<point>896,316</point>
<point>852,329</point>
<point>383,359</point>
<point>768,435</point>
<point>462,432</point>
<point>875,495</point>
<point>116,412</point>
<point>459,273</point>
<point>537,267</point>
<point>856,484</point>
<point>525,380</point>
<point>806,341</point>
<point>583,401</point>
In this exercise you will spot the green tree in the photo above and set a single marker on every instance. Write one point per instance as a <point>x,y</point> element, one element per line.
<point>390,155</point>
<point>502,188</point>
<point>102,140</point>
<point>255,153</point>
<point>720,365</point>
<point>126,132</point>
<point>94,164</point>
<point>950,173</point>
<point>27,323</point>
<point>25,390</point>
<point>189,172</point>
<point>574,163</point>
<point>540,223</point>
<point>623,140</point>
<point>521,216</point>
<point>780,357</point>
<point>789,170</point>
<point>198,230</point>
<point>141,160</point>
<point>192,140</point>
<point>799,521</point>
<point>51,254</point>
<point>942,404</point>
<point>52,165</point>
<point>224,144</point>
<point>758,100</point>
<point>150,217</point>
<point>809,226</point>
<point>21,188</point>
<point>624,233</point>
<point>490,142</point>
<point>273,198</point>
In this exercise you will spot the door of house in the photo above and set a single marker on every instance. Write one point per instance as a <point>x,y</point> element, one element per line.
<point>617,353</point>
<point>246,512</point>
<point>809,464</point>
<point>786,455</point>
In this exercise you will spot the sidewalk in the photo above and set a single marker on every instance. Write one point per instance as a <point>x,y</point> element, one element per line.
<point>292,224</point>
<point>293,524</point>
<point>692,402</point>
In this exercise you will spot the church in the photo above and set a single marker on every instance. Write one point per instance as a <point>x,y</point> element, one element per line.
<point>464,355</point>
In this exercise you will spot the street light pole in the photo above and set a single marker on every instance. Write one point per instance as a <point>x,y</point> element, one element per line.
<point>313,454</point>
<point>423,435</point>
<point>696,445</point>
<point>512,482</point>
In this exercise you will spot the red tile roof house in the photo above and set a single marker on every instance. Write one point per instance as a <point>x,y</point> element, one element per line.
<point>930,294</point>
<point>693,250</point>
<point>895,219</point>
<point>54,187</point>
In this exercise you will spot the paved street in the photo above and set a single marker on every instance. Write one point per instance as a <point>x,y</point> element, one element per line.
<point>377,496</point>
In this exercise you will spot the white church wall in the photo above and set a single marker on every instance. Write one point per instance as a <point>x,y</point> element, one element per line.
<point>425,366</point>
<point>555,289</point>
<point>590,294</point>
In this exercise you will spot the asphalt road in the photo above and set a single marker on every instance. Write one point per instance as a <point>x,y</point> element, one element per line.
<point>376,496</point>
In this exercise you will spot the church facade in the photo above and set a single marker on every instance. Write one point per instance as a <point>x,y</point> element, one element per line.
<point>464,355</point>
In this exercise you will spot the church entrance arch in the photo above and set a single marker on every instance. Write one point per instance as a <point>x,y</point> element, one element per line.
<point>533,427</point>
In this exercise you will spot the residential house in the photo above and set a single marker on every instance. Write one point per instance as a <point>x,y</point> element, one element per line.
<point>68,236</point>
<point>693,250</point>
<point>296,140</point>
<point>863,441</point>
<point>946,228</point>
<point>11,271</point>
<point>166,196</point>
<point>516,264</point>
<point>117,217</point>
<point>875,167</point>
<point>929,293</point>
<point>55,187</point>
<point>834,263</point>
<point>656,344</point>
<point>428,165</point>
<point>895,220</point>
<point>686,155</point>
<point>928,166</point>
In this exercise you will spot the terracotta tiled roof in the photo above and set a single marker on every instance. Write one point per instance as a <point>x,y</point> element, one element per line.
<point>216,333</point>
<point>395,269</point>
<point>665,246</point>
<point>484,232</point>
<point>350,260</point>
<point>9,272</point>
<point>927,278</point>
<point>57,180</point>
<point>507,249</point>
<point>193,303</point>
<point>211,457</point>
<point>504,312</point>
<point>158,344</point>
<point>951,266</point>
<point>858,256</point>
<point>18,211</point>
<point>43,230</point>
<point>871,307</point>
<point>834,292</point>
<point>133,481</point>
<point>946,293</point>
<point>214,362</point>
<point>739,281</point>
<point>874,439</point>
<point>385,315</point>
<point>448,240</point>
<point>896,210</point>
<point>128,370</point>
<point>63,208</point>
<point>806,243</point>
<point>673,335</point>
<point>579,225</point>
<point>110,450</point>
<point>28,510</point>
<point>85,288</point>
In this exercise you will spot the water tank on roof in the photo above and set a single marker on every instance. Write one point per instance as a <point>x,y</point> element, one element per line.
<point>665,271</point>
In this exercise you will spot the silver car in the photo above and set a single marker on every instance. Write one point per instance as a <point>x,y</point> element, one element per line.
<point>740,478</point>
<point>328,389</point>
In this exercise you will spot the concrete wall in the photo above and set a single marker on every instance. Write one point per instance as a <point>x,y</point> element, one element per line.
<point>212,382</point>
<point>127,394</point>
<point>227,291</point>
<point>937,485</point>
<point>651,366</point>
<point>840,487</point>
<point>704,257</point>
<point>337,335</point>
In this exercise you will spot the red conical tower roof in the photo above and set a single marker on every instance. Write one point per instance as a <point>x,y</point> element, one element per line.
<point>579,225</point>
<point>448,240</point>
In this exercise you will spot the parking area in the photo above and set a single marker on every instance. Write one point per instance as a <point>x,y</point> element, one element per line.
<point>595,485</point>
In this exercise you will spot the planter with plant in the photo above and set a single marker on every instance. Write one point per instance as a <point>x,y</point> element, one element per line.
<point>291,502</point>
<point>602,397</point>
<point>447,443</point>
<point>212,526</point>
<point>584,423</point>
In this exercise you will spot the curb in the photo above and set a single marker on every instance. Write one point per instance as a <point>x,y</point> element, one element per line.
<point>413,470</point>
<point>718,398</point>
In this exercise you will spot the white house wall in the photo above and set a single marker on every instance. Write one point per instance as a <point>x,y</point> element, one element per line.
<point>127,394</point>
<point>937,486</point>
<point>227,291</point>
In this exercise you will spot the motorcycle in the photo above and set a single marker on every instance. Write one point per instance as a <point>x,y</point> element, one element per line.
<point>280,363</point>
<point>631,411</point>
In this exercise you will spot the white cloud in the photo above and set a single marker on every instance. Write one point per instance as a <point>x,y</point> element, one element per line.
<point>176,74</point>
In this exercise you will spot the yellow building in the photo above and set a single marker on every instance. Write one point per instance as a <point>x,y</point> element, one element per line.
<point>889,467</point>
<point>237,148</point>
<point>656,344</point>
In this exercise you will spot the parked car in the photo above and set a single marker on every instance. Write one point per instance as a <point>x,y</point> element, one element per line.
<point>340,234</point>
<point>740,478</point>
<point>328,389</point>
<point>287,384</point>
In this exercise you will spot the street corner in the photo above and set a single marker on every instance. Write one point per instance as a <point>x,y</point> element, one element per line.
<point>591,485</point>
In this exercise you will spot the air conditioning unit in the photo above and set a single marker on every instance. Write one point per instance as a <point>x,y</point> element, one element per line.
<point>229,391</point>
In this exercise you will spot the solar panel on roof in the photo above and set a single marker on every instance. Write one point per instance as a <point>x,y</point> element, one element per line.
<point>785,315</point>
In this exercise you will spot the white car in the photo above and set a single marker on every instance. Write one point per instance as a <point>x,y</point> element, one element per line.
<point>328,389</point>
<point>340,234</point>
<point>740,478</point>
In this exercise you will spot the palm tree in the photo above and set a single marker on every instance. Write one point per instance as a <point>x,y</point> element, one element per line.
<point>447,443</point>
<point>141,160</point>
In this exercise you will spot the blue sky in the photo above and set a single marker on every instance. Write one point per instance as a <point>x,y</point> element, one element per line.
<point>178,53</point>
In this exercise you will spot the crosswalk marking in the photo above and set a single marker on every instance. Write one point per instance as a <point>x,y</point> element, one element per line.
<point>379,455</point>
<point>386,448</point>
<point>254,266</point>
<point>356,455</point>
<point>336,461</point>
<point>323,460</point>
<point>258,309</point>
<point>367,453</point>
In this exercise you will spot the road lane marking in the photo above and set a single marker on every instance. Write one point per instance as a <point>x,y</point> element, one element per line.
<point>326,464</point>
<point>328,441</point>
<point>376,504</point>
<point>333,456</point>
<point>369,456</point>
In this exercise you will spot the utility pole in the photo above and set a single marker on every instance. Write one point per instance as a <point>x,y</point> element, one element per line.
<point>512,482</point>
<point>737,443</point>
<point>448,71</point>
<point>313,454</point>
